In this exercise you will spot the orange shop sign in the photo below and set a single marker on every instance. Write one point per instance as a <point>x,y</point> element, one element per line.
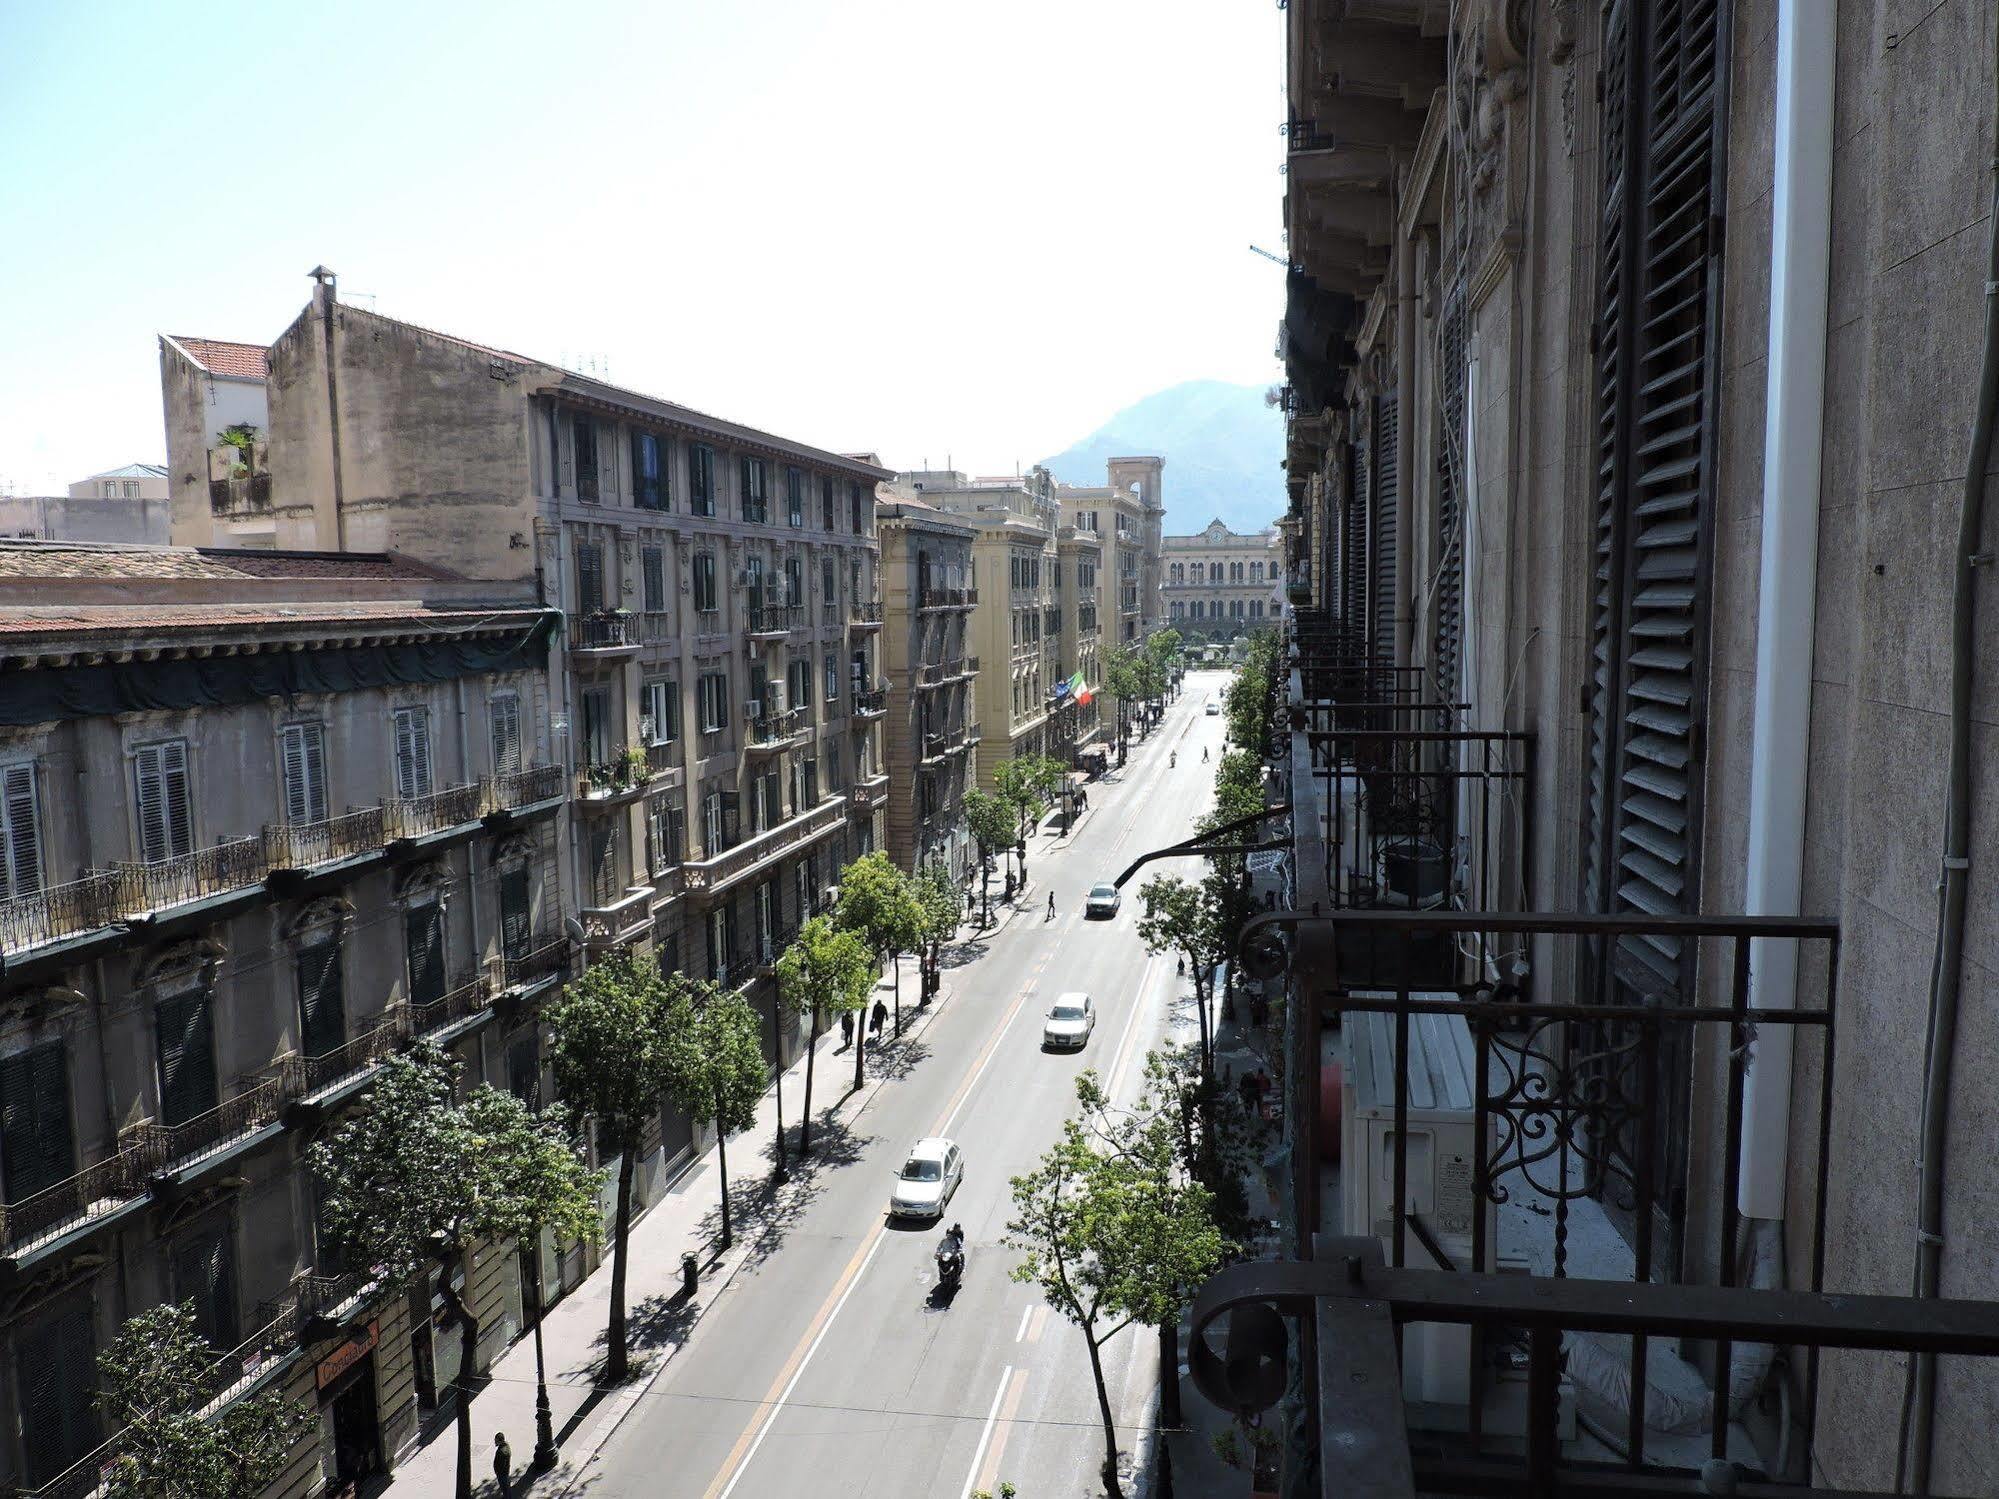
<point>346,1356</point>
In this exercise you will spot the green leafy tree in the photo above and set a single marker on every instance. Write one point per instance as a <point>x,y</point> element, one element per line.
<point>608,1044</point>
<point>158,1373</point>
<point>415,1179</point>
<point>1180,918</point>
<point>1111,1233</point>
<point>991,822</point>
<point>714,1064</point>
<point>824,972</point>
<point>1028,784</point>
<point>878,905</point>
<point>1124,679</point>
<point>937,899</point>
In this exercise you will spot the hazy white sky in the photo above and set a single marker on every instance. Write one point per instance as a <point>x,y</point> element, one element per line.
<point>923,227</point>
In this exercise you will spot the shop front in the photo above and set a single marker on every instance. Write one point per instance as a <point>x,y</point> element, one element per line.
<point>350,1428</point>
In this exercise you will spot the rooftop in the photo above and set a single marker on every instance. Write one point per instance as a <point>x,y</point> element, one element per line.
<point>234,361</point>
<point>134,471</point>
<point>71,559</point>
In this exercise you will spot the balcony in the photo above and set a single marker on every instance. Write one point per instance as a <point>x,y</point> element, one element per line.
<point>771,944</point>
<point>969,671</point>
<point>938,744</point>
<point>603,632</point>
<point>92,1198</point>
<point>865,614</point>
<point>657,626</point>
<point>250,492</point>
<point>946,598</point>
<point>870,795</point>
<point>615,781</point>
<point>544,957</point>
<point>188,877</point>
<point>660,758</point>
<point>414,816</point>
<point>300,845</point>
<point>710,875</point>
<point>619,922</point>
<point>871,704</point>
<point>523,788</point>
<point>340,1070</point>
<point>772,621</point>
<point>60,911</point>
<point>467,1000</point>
<point>211,1138</point>
<point>774,731</point>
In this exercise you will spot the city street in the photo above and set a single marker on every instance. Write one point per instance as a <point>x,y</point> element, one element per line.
<point>826,1367</point>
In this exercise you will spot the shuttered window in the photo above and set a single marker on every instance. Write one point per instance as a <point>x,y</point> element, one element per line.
<point>589,577</point>
<point>516,916</point>
<point>649,455</point>
<point>1353,545</point>
<point>185,1024</point>
<point>585,439</point>
<point>652,576</point>
<point>36,1148</point>
<point>503,718</point>
<point>701,480</point>
<point>55,1377</point>
<point>322,999</point>
<point>20,832</point>
<point>603,864</point>
<point>302,747</point>
<point>794,497</point>
<point>205,1274</point>
<point>825,504</point>
<point>705,600</point>
<point>412,752</point>
<point>1383,543</point>
<point>1448,587</point>
<point>423,940</point>
<point>524,1065</point>
<point>160,796</point>
<point>756,489</point>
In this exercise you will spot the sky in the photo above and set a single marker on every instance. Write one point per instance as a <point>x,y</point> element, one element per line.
<point>928,230</point>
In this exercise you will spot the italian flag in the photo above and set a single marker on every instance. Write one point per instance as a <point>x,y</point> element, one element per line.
<point>1082,694</point>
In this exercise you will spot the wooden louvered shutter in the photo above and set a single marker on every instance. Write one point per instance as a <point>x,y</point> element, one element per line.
<point>1382,542</point>
<point>36,1150</point>
<point>186,1027</point>
<point>160,793</point>
<point>21,857</point>
<point>589,577</point>
<point>205,1274</point>
<point>304,749</point>
<point>412,752</point>
<point>322,999</point>
<point>1353,547</point>
<point>504,717</point>
<point>423,932</point>
<point>1449,588</point>
<point>515,915</point>
<point>55,1369</point>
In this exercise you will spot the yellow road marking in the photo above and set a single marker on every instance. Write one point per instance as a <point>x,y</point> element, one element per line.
<point>989,1470</point>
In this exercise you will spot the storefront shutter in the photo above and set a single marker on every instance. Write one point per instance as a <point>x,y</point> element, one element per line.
<point>186,1027</point>
<point>36,1150</point>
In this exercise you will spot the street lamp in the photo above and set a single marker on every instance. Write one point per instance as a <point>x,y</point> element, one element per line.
<point>544,1422</point>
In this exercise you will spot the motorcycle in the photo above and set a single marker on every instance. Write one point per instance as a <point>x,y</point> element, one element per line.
<point>950,1267</point>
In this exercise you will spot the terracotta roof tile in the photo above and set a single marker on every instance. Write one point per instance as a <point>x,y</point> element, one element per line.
<point>57,619</point>
<point>56,559</point>
<point>220,357</point>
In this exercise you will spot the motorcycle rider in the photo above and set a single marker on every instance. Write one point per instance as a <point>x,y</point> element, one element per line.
<point>953,1245</point>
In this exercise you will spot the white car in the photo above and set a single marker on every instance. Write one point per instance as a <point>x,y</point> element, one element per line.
<point>1070,1020</point>
<point>1103,900</point>
<point>928,1178</point>
<point>1214,708</point>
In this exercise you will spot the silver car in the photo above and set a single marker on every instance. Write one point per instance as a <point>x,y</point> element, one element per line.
<point>928,1178</point>
<point>1070,1020</point>
<point>1103,901</point>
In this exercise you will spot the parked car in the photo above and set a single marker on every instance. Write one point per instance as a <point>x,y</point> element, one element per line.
<point>1103,901</point>
<point>928,1178</point>
<point>1214,708</point>
<point>1070,1020</point>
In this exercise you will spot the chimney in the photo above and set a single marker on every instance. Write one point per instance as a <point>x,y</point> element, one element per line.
<point>325,288</point>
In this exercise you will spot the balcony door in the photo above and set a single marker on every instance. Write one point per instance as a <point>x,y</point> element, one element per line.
<point>322,1000</point>
<point>516,917</point>
<point>37,1149</point>
<point>185,1025</point>
<point>423,936</point>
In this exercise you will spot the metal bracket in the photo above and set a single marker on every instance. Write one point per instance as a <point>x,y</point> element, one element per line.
<point>1199,846</point>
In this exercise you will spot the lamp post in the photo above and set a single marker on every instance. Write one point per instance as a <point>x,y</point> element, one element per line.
<point>544,1423</point>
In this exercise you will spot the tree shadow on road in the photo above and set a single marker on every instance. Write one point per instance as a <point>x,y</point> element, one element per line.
<point>762,1214</point>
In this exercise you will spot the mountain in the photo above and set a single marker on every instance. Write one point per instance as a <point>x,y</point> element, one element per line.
<point>1222,448</point>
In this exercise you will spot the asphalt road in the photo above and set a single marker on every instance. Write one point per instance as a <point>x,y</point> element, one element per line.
<point>828,1368</point>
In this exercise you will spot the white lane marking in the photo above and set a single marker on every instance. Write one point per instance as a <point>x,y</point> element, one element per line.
<point>1021,1331</point>
<point>1116,1079</point>
<point>986,1435</point>
<point>803,1365</point>
<point>973,1086</point>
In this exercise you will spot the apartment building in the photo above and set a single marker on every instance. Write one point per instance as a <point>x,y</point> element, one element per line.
<point>1077,728</point>
<point>717,585</point>
<point>1220,583</point>
<point>1632,355</point>
<point>931,734</point>
<point>1128,514</point>
<point>266,818</point>
<point>1016,620</point>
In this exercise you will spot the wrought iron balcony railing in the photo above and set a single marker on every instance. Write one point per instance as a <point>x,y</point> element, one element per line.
<point>773,619</point>
<point>58,911</point>
<point>870,704</point>
<point>459,1003</point>
<point>602,630</point>
<point>412,816</point>
<point>544,955</point>
<point>305,1076</point>
<point>523,788</point>
<point>300,845</point>
<point>90,1193</point>
<point>864,613</point>
<point>162,883</point>
<point>249,1111</point>
<point>773,730</point>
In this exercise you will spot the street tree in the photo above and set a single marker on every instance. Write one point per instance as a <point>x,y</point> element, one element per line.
<point>991,824</point>
<point>1111,1233</point>
<point>937,898</point>
<point>414,1179</point>
<point>1028,784</point>
<point>878,906</point>
<point>158,1374</point>
<point>824,972</point>
<point>608,1049</point>
<point>1179,917</point>
<point>1124,679</point>
<point>714,1064</point>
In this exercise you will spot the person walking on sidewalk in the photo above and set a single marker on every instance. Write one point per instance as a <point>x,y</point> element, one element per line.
<point>846,1029</point>
<point>879,1019</point>
<point>1051,905</point>
<point>503,1465</point>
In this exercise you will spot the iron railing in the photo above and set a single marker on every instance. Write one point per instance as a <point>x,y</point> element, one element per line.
<point>521,788</point>
<point>305,1076</point>
<point>770,730</point>
<point>250,1110</point>
<point>871,703</point>
<point>774,619</point>
<point>459,1003</point>
<point>58,911</point>
<point>299,845</point>
<point>161,883</point>
<point>411,816</point>
<point>76,1200</point>
<point>864,612</point>
<point>602,630</point>
<point>545,955</point>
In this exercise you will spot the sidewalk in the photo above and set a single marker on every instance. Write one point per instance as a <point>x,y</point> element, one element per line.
<point>660,1317</point>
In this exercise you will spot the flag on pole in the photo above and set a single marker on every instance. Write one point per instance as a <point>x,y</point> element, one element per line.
<point>1083,693</point>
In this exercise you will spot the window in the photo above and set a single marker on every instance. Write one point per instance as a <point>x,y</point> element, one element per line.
<point>423,946</point>
<point>184,1025</point>
<point>589,577</point>
<point>808,783</point>
<point>596,742</point>
<point>794,497</point>
<point>603,870</point>
<point>659,700</point>
<point>794,582</point>
<point>652,576</point>
<point>36,1150</point>
<point>204,1273</point>
<point>701,481</point>
<point>1256,572</point>
<point>584,435</point>
<point>648,471</point>
<point>829,590</point>
<point>833,782</point>
<point>160,797</point>
<point>705,600</point>
<point>769,800</point>
<point>1089,520</point>
<point>55,1380</point>
<point>302,749</point>
<point>524,1065</point>
<point>753,581</point>
<point>412,752</point>
<point>503,722</point>
<point>832,676</point>
<point>322,1001</point>
<point>720,947</point>
<point>756,490</point>
<point>767,905</point>
<point>516,914</point>
<point>711,823</point>
<point>666,833</point>
<point>825,504</point>
<point>20,824</point>
<point>799,683</point>
<point>713,693</point>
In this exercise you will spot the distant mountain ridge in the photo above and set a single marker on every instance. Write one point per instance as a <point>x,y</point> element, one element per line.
<point>1222,448</point>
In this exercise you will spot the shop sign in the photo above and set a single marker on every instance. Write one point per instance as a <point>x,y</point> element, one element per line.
<point>350,1352</point>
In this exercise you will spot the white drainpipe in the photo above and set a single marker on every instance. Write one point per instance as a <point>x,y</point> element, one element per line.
<point>1800,231</point>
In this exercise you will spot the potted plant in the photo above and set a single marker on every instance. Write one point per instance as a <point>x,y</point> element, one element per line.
<point>637,768</point>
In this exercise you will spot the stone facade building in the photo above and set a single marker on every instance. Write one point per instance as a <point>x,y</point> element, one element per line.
<point>265,818</point>
<point>1633,354</point>
<point>1127,514</point>
<point>1221,584</point>
<point>930,739</point>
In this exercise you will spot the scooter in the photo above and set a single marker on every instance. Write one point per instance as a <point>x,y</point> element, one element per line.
<point>950,1268</point>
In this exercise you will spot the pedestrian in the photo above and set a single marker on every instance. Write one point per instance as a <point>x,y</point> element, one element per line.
<point>846,1029</point>
<point>1183,965</point>
<point>1051,905</point>
<point>880,1018</point>
<point>503,1465</point>
<point>1204,754</point>
<point>1247,1088</point>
